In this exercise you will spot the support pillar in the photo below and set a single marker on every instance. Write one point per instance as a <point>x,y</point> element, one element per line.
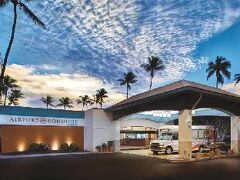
<point>185,134</point>
<point>116,135</point>
<point>235,134</point>
<point>99,128</point>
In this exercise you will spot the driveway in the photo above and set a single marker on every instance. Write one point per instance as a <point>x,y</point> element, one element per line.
<point>115,166</point>
<point>147,152</point>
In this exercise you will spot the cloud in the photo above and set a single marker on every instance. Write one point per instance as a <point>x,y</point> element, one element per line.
<point>232,87</point>
<point>102,38</point>
<point>35,86</point>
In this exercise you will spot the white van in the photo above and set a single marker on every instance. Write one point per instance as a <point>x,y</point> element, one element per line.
<point>168,139</point>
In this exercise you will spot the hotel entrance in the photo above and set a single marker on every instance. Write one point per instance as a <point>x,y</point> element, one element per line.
<point>137,136</point>
<point>137,131</point>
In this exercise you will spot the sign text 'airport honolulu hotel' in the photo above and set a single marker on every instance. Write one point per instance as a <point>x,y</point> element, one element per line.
<point>39,121</point>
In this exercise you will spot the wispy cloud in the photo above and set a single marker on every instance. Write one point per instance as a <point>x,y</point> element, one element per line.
<point>60,85</point>
<point>102,39</point>
<point>232,87</point>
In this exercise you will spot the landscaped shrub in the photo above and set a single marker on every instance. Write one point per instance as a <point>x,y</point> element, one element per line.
<point>64,147</point>
<point>73,147</point>
<point>34,147</point>
<point>43,147</point>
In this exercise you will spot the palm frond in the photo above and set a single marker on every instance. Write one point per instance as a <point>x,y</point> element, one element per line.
<point>210,73</point>
<point>226,73</point>
<point>4,2</point>
<point>31,15</point>
<point>220,79</point>
<point>237,78</point>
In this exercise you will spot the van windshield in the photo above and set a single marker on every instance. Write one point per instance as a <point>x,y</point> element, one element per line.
<point>165,136</point>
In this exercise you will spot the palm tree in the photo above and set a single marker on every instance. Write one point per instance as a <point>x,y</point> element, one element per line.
<point>8,83</point>
<point>95,99</point>
<point>154,64</point>
<point>85,101</point>
<point>14,96</point>
<point>65,102</point>
<point>48,100</point>
<point>29,13</point>
<point>237,78</point>
<point>129,78</point>
<point>220,68</point>
<point>101,95</point>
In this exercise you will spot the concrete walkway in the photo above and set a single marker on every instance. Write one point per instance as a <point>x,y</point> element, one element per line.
<point>15,156</point>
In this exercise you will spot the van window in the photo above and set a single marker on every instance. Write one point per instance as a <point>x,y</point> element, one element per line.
<point>195,134</point>
<point>165,136</point>
<point>201,134</point>
<point>175,137</point>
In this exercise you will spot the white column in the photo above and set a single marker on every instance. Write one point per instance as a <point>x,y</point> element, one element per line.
<point>100,128</point>
<point>116,132</point>
<point>185,134</point>
<point>235,134</point>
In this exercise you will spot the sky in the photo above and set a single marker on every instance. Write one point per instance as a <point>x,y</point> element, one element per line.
<point>90,44</point>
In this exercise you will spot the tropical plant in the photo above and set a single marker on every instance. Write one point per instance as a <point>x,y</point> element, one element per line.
<point>153,65</point>
<point>128,79</point>
<point>85,101</point>
<point>65,102</point>
<point>220,69</point>
<point>7,84</point>
<point>95,99</point>
<point>101,95</point>
<point>14,96</point>
<point>48,100</point>
<point>237,78</point>
<point>29,13</point>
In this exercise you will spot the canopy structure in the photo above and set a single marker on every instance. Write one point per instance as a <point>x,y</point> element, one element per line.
<point>178,96</point>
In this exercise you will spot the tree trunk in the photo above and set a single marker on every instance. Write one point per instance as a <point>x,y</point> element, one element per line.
<point>10,43</point>
<point>5,97</point>
<point>217,75</point>
<point>47,105</point>
<point>127,91</point>
<point>151,83</point>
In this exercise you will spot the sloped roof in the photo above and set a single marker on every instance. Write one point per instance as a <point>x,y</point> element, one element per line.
<point>174,87</point>
<point>40,112</point>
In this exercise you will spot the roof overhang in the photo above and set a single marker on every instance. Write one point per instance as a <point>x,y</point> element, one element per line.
<point>178,96</point>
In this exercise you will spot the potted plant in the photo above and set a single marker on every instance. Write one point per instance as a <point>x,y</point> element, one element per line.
<point>104,147</point>
<point>99,148</point>
<point>110,146</point>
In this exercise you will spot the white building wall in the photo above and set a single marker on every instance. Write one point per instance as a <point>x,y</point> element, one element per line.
<point>88,131</point>
<point>140,122</point>
<point>99,128</point>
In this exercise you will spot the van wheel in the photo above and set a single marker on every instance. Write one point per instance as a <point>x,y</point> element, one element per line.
<point>168,150</point>
<point>155,152</point>
<point>201,149</point>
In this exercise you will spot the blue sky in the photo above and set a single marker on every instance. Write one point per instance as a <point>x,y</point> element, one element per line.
<point>90,44</point>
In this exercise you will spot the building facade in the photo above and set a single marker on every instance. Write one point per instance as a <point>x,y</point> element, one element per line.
<point>22,126</point>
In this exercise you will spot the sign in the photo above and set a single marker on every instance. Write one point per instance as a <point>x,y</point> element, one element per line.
<point>39,121</point>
